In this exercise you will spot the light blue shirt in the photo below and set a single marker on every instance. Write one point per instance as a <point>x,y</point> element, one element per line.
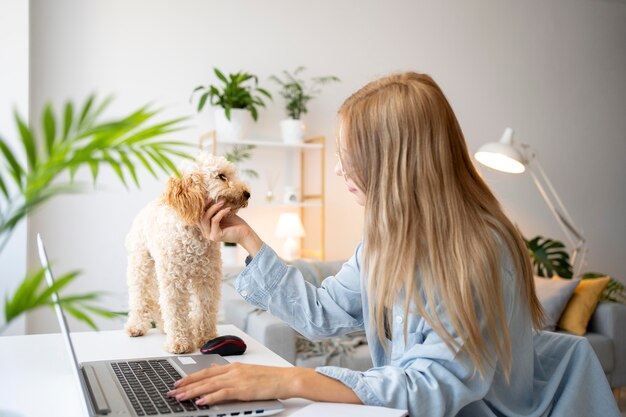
<point>552,374</point>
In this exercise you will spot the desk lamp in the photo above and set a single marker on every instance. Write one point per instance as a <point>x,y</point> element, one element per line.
<point>514,157</point>
<point>290,228</point>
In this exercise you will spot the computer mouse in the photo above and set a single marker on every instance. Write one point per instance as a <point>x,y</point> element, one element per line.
<point>225,346</point>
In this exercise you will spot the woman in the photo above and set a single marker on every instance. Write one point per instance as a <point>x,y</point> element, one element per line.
<point>442,283</point>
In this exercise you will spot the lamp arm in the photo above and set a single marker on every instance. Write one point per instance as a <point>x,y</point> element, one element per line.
<point>558,210</point>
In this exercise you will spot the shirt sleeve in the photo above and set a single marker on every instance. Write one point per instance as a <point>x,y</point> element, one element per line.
<point>429,379</point>
<point>333,309</point>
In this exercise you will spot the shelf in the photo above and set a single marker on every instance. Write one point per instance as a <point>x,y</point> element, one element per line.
<point>271,143</point>
<point>289,205</point>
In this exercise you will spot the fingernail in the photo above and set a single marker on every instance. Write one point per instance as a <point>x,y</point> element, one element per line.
<point>199,402</point>
<point>177,383</point>
<point>171,393</point>
<point>180,397</point>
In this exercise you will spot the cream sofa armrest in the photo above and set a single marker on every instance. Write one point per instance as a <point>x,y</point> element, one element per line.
<point>262,326</point>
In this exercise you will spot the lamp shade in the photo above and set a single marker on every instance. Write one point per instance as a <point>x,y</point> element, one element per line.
<point>289,226</point>
<point>502,155</point>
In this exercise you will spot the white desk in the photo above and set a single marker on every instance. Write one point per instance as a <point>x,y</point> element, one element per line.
<point>36,377</point>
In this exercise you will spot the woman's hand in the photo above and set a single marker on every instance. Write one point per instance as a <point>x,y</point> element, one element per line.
<point>220,225</point>
<point>235,381</point>
<point>243,382</point>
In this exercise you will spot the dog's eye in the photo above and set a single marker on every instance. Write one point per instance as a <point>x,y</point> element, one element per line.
<point>221,177</point>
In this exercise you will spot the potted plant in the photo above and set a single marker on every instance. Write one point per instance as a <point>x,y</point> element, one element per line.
<point>237,100</point>
<point>549,257</point>
<point>77,139</point>
<point>297,94</point>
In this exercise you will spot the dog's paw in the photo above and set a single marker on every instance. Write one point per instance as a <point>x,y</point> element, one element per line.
<point>134,331</point>
<point>179,346</point>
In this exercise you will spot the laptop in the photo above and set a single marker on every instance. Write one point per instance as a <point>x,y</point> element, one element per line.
<point>138,387</point>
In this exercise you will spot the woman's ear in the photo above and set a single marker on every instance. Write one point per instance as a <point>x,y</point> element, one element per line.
<point>186,196</point>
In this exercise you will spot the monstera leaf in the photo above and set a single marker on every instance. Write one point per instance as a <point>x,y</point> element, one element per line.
<point>549,257</point>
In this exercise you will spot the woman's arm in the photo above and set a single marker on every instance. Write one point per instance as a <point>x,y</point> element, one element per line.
<point>330,310</point>
<point>253,382</point>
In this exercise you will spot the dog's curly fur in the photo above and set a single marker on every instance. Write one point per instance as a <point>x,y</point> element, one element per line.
<point>174,273</point>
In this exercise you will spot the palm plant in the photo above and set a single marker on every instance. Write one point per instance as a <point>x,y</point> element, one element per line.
<point>78,139</point>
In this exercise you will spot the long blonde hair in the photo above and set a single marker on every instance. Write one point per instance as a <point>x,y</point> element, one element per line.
<point>427,209</point>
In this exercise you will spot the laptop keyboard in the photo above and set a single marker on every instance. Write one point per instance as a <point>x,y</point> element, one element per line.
<point>146,384</point>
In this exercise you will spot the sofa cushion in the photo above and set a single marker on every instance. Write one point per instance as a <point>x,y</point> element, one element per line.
<point>581,306</point>
<point>553,296</point>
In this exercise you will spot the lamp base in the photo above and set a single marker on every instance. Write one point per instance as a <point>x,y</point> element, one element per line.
<point>291,249</point>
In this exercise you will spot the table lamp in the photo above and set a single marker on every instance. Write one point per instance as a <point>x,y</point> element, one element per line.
<point>513,157</point>
<point>290,228</point>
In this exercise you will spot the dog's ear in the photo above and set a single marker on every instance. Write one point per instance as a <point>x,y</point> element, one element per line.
<point>186,196</point>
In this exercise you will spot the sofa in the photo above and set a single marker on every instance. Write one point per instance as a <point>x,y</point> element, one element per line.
<point>606,332</point>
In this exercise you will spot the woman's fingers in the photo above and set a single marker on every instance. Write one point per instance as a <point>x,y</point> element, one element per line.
<point>213,208</point>
<point>199,388</point>
<point>222,395</point>
<point>213,370</point>
<point>216,230</point>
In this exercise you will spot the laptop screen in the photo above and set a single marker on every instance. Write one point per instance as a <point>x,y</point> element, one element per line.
<point>43,257</point>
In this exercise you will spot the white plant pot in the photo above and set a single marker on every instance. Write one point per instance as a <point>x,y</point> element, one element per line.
<point>229,255</point>
<point>234,129</point>
<point>292,131</point>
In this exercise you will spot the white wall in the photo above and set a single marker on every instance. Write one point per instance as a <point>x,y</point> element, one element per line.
<point>552,70</point>
<point>13,96</point>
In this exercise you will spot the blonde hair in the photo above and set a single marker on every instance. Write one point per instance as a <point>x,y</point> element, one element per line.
<point>427,209</point>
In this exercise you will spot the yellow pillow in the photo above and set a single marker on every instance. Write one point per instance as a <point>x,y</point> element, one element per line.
<point>583,303</point>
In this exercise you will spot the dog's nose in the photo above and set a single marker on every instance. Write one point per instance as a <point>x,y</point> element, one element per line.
<point>246,195</point>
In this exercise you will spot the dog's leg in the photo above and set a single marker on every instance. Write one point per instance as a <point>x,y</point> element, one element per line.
<point>206,292</point>
<point>174,301</point>
<point>142,301</point>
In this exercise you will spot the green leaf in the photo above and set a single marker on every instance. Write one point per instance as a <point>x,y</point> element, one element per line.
<point>549,258</point>
<point>145,163</point>
<point>94,167</point>
<point>79,315</point>
<point>67,119</point>
<point>3,187</point>
<point>116,167</point>
<point>220,75</point>
<point>46,295</point>
<point>156,158</point>
<point>264,92</point>
<point>49,126</point>
<point>105,313</point>
<point>16,171</point>
<point>202,101</point>
<point>85,111</point>
<point>130,167</point>
<point>27,140</point>
<point>23,297</point>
